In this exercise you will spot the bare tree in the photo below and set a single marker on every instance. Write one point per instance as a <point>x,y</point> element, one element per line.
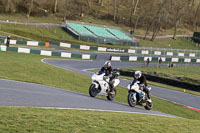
<point>196,15</point>
<point>135,7</point>
<point>30,7</point>
<point>55,6</point>
<point>100,2</point>
<point>10,6</point>
<point>179,11</point>
<point>138,16</point>
<point>89,3</point>
<point>132,10</point>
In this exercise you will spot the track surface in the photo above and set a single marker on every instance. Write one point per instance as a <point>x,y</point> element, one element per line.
<point>81,66</point>
<point>14,93</point>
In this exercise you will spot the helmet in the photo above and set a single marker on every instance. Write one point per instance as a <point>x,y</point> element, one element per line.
<point>138,74</point>
<point>107,64</point>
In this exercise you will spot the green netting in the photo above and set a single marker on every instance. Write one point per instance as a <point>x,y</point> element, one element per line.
<point>93,48</point>
<point>186,54</point>
<point>41,44</point>
<point>124,58</point>
<point>163,53</point>
<point>138,51</point>
<point>76,55</point>
<point>56,54</point>
<point>193,60</point>
<point>12,49</point>
<point>75,46</point>
<point>175,54</point>
<point>168,59</point>
<point>154,58</point>
<point>21,42</point>
<point>93,57</point>
<point>181,60</point>
<point>54,43</point>
<point>35,51</point>
<point>140,59</point>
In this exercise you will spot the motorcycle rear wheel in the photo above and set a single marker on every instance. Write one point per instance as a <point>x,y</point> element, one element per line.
<point>92,91</point>
<point>132,102</point>
<point>112,96</point>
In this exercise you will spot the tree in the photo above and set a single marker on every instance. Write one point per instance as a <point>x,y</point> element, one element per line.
<point>179,10</point>
<point>89,3</point>
<point>116,9</point>
<point>55,6</point>
<point>132,10</point>
<point>30,7</point>
<point>9,6</point>
<point>196,15</point>
<point>100,2</point>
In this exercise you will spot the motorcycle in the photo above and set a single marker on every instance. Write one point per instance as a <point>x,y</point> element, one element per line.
<point>137,96</point>
<point>100,85</point>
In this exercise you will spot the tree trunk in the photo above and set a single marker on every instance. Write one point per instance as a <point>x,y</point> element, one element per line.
<point>135,8</point>
<point>132,8</point>
<point>30,9</point>
<point>136,22</point>
<point>89,3</point>
<point>55,6</point>
<point>175,30</point>
<point>115,10</point>
<point>8,6</point>
<point>195,17</point>
<point>100,2</point>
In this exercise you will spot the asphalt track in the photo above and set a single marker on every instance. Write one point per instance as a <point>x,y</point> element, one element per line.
<point>81,67</point>
<point>14,93</point>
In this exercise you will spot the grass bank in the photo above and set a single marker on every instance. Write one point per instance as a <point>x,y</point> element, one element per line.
<point>29,68</point>
<point>184,73</point>
<point>52,120</point>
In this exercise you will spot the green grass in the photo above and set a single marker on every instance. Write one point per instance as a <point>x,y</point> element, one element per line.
<point>180,43</point>
<point>184,73</point>
<point>29,68</point>
<point>22,18</point>
<point>74,121</point>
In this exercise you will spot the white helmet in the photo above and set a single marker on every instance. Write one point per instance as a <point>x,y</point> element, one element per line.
<point>138,74</point>
<point>107,64</point>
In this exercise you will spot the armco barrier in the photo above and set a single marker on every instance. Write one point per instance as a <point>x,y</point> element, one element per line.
<point>104,49</point>
<point>166,81</point>
<point>155,59</point>
<point>48,53</point>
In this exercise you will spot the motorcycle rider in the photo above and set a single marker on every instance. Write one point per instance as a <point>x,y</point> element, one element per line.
<point>107,69</point>
<point>142,82</point>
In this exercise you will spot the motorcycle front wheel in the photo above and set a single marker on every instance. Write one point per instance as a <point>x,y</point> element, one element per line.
<point>93,91</point>
<point>132,99</point>
<point>148,106</point>
<point>111,95</point>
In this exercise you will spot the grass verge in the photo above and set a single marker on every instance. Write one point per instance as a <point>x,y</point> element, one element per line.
<point>52,120</point>
<point>29,68</point>
<point>184,73</point>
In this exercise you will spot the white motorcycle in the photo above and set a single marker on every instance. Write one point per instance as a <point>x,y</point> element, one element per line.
<point>100,85</point>
<point>137,96</point>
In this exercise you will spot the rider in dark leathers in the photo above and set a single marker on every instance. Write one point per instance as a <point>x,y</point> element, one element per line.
<point>107,69</point>
<point>142,82</point>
